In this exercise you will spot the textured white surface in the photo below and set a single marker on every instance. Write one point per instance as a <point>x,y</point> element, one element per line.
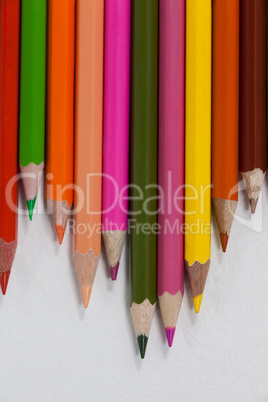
<point>51,349</point>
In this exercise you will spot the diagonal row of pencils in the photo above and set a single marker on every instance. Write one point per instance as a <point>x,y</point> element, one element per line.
<point>109,78</point>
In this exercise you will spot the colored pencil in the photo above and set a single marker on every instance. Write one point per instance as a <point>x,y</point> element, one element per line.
<point>116,129</point>
<point>144,166</point>
<point>170,283</point>
<point>253,96</point>
<point>60,112</point>
<point>32,97</point>
<point>9,109</point>
<point>88,141</point>
<point>225,114</point>
<point>198,146</point>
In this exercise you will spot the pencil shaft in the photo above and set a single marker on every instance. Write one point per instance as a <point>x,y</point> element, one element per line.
<point>198,129</point>
<point>33,73</point>
<point>253,53</point>
<point>225,116</point>
<point>60,100</point>
<point>171,145</point>
<point>116,113</point>
<point>144,148</point>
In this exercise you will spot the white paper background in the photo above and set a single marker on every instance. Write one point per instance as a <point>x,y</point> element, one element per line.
<point>52,349</point>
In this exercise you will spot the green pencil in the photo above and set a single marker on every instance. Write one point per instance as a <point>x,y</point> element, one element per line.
<point>32,97</point>
<point>144,165</point>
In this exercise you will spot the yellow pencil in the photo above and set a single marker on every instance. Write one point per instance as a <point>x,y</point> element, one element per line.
<point>198,145</point>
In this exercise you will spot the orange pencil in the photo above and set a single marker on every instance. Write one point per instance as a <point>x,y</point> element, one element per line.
<point>60,105</point>
<point>88,141</point>
<point>225,117</point>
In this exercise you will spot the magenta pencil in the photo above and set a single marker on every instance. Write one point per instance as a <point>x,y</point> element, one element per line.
<point>170,287</point>
<point>116,129</point>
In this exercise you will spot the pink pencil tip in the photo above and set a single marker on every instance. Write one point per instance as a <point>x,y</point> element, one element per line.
<point>114,271</point>
<point>170,335</point>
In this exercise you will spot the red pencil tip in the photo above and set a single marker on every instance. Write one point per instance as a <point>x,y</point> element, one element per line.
<point>224,241</point>
<point>114,271</point>
<point>60,232</point>
<point>4,281</point>
<point>170,335</point>
<point>253,204</point>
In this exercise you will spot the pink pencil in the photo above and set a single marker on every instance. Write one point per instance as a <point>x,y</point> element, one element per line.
<point>170,287</point>
<point>116,129</point>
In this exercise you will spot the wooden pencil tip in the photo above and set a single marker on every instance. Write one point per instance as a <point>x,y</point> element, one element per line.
<point>197,303</point>
<point>30,206</point>
<point>142,341</point>
<point>253,204</point>
<point>86,292</point>
<point>114,271</point>
<point>170,335</point>
<point>224,241</point>
<point>4,281</point>
<point>60,232</point>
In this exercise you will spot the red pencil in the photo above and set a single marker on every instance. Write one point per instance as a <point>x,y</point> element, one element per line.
<point>9,95</point>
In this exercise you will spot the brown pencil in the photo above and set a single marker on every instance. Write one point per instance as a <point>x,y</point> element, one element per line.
<point>253,96</point>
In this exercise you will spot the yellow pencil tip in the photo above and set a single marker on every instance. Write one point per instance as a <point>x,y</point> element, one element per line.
<point>197,302</point>
<point>86,292</point>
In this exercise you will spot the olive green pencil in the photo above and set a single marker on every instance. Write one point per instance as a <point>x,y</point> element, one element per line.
<point>143,224</point>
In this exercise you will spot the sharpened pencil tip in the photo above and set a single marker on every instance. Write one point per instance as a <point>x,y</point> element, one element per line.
<point>170,331</point>
<point>4,281</point>
<point>60,232</point>
<point>142,341</point>
<point>86,292</point>
<point>30,206</point>
<point>114,271</point>
<point>197,303</point>
<point>253,205</point>
<point>224,241</point>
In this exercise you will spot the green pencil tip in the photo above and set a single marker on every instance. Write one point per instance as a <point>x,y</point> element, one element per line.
<point>30,205</point>
<point>142,341</point>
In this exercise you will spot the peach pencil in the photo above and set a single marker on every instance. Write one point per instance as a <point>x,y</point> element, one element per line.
<point>88,142</point>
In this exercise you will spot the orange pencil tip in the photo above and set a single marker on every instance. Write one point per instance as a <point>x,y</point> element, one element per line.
<point>86,292</point>
<point>224,241</point>
<point>4,281</point>
<point>253,204</point>
<point>60,232</point>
